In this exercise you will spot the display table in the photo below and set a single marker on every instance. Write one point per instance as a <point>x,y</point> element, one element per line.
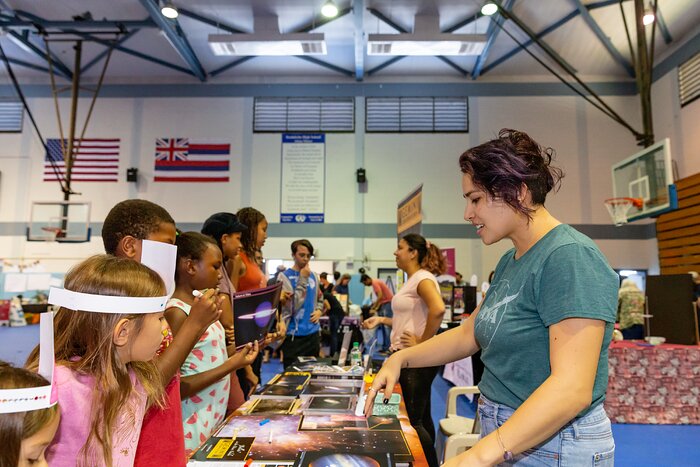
<point>653,384</point>
<point>286,433</point>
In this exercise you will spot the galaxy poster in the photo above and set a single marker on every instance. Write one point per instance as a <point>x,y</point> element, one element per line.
<point>254,313</point>
<point>273,406</point>
<point>328,389</point>
<point>279,440</point>
<point>348,459</point>
<point>331,422</point>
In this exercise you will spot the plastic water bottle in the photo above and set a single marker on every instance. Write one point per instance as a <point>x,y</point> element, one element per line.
<point>355,355</point>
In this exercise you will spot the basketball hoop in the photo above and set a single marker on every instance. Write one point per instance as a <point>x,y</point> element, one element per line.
<point>620,207</point>
<point>52,233</point>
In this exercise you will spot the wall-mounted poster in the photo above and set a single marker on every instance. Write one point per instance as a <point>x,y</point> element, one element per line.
<point>302,194</point>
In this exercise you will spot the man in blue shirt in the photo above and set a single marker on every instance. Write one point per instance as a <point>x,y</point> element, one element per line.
<point>302,311</point>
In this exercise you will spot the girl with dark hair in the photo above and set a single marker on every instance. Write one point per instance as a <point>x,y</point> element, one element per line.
<point>247,275</point>
<point>418,310</point>
<point>205,382</point>
<point>543,327</point>
<point>24,436</point>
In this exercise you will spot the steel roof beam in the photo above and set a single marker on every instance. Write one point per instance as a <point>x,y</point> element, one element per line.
<point>603,38</point>
<point>47,24</point>
<point>662,26</point>
<point>62,69</point>
<point>492,34</point>
<point>176,37</point>
<point>539,35</point>
<point>209,21</point>
<point>33,66</point>
<point>327,65</point>
<point>104,53</point>
<point>358,13</point>
<point>128,51</point>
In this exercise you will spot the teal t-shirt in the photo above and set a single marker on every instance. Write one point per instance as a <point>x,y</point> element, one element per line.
<point>564,275</point>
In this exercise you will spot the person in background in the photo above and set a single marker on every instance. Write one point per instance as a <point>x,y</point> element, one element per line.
<point>544,326</point>
<point>225,229</point>
<point>24,436</point>
<point>336,276</point>
<point>342,284</point>
<point>381,306</point>
<point>418,310</point>
<point>324,284</point>
<point>126,226</point>
<point>335,312</point>
<point>247,275</point>
<point>459,280</point>
<point>304,307</point>
<point>259,260</point>
<point>630,310</point>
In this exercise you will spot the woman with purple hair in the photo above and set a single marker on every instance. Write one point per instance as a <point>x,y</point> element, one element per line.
<point>543,327</point>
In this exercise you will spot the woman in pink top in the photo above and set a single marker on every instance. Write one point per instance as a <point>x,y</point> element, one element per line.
<point>418,310</point>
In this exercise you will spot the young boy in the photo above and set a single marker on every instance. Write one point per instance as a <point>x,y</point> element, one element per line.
<point>126,226</point>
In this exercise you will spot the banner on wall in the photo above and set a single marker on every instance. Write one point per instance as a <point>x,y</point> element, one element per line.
<point>303,185</point>
<point>449,255</point>
<point>189,160</point>
<point>409,216</point>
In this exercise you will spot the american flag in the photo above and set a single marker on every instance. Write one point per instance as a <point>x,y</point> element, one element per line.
<point>96,160</point>
<point>185,160</point>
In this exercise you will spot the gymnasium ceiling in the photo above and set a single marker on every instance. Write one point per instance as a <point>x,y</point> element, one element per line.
<point>148,54</point>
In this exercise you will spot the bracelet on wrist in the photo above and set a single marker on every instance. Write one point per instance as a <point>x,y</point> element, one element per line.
<point>507,455</point>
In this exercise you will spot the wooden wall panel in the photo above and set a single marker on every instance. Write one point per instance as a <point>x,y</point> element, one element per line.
<point>678,232</point>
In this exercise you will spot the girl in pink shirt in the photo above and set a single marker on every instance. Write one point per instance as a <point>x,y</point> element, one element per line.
<point>104,375</point>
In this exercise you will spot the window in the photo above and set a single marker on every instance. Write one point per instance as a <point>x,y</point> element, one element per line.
<point>11,116</point>
<point>417,114</point>
<point>689,80</point>
<point>304,114</point>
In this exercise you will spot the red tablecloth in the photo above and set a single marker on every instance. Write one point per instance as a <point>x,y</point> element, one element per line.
<point>653,384</point>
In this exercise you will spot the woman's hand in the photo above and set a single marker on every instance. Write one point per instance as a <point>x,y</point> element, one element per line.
<point>372,322</point>
<point>408,339</point>
<point>386,379</point>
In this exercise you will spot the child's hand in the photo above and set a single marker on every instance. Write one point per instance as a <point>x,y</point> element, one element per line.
<point>245,356</point>
<point>284,297</point>
<point>206,309</point>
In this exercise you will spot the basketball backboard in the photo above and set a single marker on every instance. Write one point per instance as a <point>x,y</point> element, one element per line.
<point>647,176</point>
<point>61,221</point>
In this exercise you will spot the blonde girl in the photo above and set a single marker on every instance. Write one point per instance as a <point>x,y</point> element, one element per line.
<point>24,436</point>
<point>205,381</point>
<point>104,377</point>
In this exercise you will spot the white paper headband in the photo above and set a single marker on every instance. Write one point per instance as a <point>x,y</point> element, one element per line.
<point>40,397</point>
<point>106,303</point>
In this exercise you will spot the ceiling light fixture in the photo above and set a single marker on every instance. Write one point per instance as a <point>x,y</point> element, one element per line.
<point>489,9</point>
<point>168,10</point>
<point>267,40</point>
<point>329,10</point>
<point>426,39</point>
<point>648,17</point>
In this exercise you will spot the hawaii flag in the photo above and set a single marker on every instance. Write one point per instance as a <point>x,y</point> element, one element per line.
<point>96,160</point>
<point>185,160</point>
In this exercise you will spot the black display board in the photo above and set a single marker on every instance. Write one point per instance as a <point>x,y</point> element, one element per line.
<point>670,302</point>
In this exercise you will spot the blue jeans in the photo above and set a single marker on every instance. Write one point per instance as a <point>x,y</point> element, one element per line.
<point>583,441</point>
<point>383,331</point>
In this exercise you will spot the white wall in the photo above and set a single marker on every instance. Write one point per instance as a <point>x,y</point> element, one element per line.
<point>587,144</point>
<point>679,124</point>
